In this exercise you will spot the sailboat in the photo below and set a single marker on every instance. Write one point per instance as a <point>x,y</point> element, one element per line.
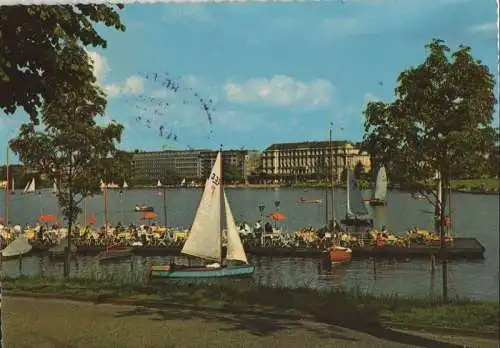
<point>206,237</point>
<point>114,253</point>
<point>356,213</point>
<point>30,186</point>
<point>380,194</point>
<point>183,182</point>
<point>125,185</point>
<point>54,188</point>
<point>337,254</point>
<point>18,247</point>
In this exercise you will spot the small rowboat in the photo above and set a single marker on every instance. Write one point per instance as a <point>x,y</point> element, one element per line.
<point>313,201</point>
<point>340,254</point>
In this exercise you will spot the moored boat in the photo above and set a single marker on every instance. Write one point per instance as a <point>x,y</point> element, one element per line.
<point>356,212</point>
<point>340,254</point>
<point>313,201</point>
<point>205,239</point>
<point>17,248</point>
<point>379,197</point>
<point>144,208</point>
<point>115,254</point>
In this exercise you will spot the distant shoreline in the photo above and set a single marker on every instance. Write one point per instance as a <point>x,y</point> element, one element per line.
<point>472,186</point>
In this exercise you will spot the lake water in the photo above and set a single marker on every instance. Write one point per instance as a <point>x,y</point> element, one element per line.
<point>473,215</point>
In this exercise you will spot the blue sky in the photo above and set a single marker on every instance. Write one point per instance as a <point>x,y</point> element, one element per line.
<point>276,72</point>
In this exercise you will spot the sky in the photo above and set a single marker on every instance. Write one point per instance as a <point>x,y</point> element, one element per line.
<point>274,72</point>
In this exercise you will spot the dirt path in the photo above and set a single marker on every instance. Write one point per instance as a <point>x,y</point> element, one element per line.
<point>45,323</point>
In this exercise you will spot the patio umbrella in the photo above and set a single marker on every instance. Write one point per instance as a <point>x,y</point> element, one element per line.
<point>148,216</point>
<point>48,218</point>
<point>276,216</point>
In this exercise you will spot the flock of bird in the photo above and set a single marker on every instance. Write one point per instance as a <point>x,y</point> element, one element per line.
<point>152,111</point>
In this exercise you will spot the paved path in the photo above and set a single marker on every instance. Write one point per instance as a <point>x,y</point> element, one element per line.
<point>45,323</point>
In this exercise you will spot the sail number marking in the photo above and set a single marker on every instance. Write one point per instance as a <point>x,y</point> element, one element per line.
<point>215,179</point>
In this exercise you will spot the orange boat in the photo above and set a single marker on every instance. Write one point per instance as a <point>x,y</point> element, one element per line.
<point>340,254</point>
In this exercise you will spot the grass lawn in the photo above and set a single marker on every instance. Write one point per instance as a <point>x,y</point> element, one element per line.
<point>490,184</point>
<point>334,306</point>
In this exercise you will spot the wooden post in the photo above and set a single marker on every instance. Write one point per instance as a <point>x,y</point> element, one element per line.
<point>433,263</point>
<point>1,331</point>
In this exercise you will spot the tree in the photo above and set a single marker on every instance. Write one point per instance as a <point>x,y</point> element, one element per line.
<point>71,148</point>
<point>231,173</point>
<point>359,170</point>
<point>440,122</point>
<point>33,41</point>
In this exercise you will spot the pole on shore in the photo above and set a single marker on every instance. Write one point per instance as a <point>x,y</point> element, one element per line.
<point>165,204</point>
<point>1,331</point>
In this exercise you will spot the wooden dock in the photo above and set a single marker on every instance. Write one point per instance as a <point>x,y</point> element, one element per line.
<point>461,248</point>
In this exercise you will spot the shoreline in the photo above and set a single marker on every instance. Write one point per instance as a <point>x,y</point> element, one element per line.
<point>458,316</point>
<point>314,186</point>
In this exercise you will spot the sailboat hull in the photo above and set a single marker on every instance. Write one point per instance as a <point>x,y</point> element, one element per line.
<point>357,222</point>
<point>377,202</point>
<point>168,271</point>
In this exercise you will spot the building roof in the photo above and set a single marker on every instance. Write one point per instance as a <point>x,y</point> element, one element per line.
<point>307,145</point>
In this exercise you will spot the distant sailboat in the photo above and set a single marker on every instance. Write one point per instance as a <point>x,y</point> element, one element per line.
<point>380,192</point>
<point>206,236</point>
<point>54,188</point>
<point>30,186</point>
<point>125,185</point>
<point>159,184</point>
<point>356,212</point>
<point>183,182</point>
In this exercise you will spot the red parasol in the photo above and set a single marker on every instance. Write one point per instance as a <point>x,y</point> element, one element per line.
<point>91,218</point>
<point>48,218</point>
<point>149,215</point>
<point>276,216</point>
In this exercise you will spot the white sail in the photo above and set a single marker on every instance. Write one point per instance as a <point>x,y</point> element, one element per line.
<point>183,182</point>
<point>30,188</point>
<point>125,185</point>
<point>355,205</point>
<point>102,185</point>
<point>204,239</point>
<point>19,246</point>
<point>235,250</point>
<point>159,184</point>
<point>54,188</point>
<point>381,185</point>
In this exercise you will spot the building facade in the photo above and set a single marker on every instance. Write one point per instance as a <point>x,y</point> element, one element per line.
<point>153,165</point>
<point>189,164</point>
<point>311,159</point>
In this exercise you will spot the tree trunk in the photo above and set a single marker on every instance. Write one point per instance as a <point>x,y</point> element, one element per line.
<point>442,233</point>
<point>67,256</point>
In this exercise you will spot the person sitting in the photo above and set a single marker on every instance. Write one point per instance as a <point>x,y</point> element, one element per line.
<point>268,228</point>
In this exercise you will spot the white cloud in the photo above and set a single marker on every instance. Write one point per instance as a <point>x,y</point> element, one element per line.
<point>187,12</point>
<point>485,28</point>
<point>341,27</point>
<point>281,90</point>
<point>132,85</point>
<point>368,97</point>
<point>100,63</point>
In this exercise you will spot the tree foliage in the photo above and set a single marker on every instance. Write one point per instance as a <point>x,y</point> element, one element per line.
<point>34,56</point>
<point>440,120</point>
<point>70,148</point>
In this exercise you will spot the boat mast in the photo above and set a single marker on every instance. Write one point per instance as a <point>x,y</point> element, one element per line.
<point>106,216</point>
<point>221,200</point>
<point>331,177</point>
<point>347,193</point>
<point>7,191</point>
<point>326,188</point>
